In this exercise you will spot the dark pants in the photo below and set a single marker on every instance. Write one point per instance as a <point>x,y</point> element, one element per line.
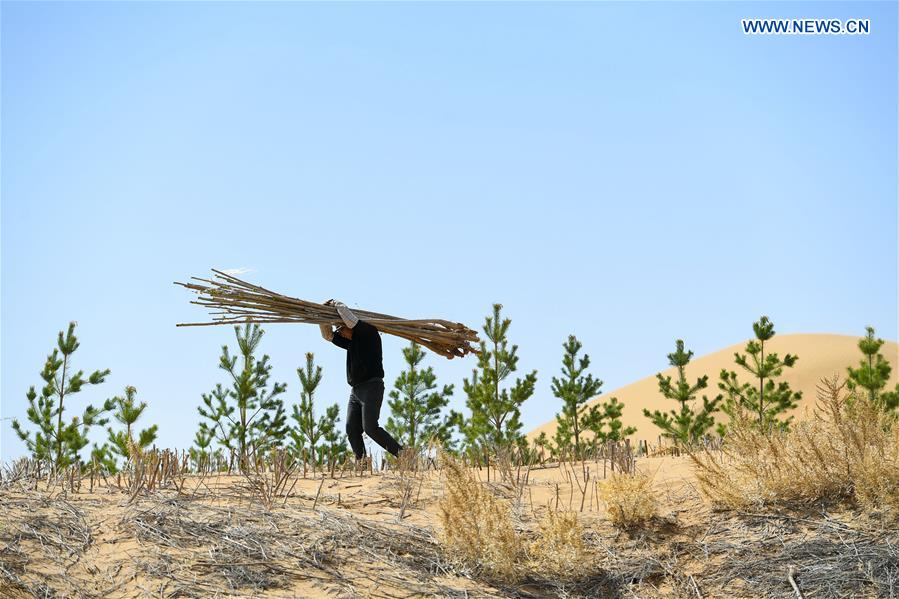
<point>362,414</point>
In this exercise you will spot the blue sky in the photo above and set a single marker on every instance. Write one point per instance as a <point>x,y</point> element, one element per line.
<point>632,173</point>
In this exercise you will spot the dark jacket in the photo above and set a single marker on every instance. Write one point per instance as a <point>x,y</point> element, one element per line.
<point>363,353</point>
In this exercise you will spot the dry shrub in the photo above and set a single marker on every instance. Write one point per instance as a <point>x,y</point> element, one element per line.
<point>630,499</point>
<point>559,550</point>
<point>848,451</point>
<point>478,531</point>
<point>268,476</point>
<point>404,480</point>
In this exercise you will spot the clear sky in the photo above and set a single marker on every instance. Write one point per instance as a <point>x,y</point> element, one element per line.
<point>632,173</point>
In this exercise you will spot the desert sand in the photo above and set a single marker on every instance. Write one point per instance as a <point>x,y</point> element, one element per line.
<point>344,538</point>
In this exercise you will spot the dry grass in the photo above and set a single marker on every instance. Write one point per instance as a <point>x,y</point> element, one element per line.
<point>478,530</point>
<point>630,499</point>
<point>848,451</point>
<point>559,551</point>
<point>479,534</point>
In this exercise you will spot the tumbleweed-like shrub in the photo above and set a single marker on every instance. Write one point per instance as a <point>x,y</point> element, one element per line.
<point>559,551</point>
<point>630,500</point>
<point>849,451</point>
<point>478,531</point>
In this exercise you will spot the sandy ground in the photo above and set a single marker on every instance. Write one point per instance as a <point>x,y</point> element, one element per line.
<point>820,355</point>
<point>343,538</point>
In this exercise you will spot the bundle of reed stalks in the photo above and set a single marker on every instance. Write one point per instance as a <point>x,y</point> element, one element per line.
<point>233,301</point>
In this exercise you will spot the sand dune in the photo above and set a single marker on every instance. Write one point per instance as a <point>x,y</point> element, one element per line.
<point>819,355</point>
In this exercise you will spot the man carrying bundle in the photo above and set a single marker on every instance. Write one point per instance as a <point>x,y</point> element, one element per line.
<point>365,374</point>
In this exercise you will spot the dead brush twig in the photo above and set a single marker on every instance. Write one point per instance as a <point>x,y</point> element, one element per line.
<point>40,535</point>
<point>22,470</point>
<point>229,551</point>
<point>577,475</point>
<point>514,474</point>
<point>255,548</point>
<point>13,573</point>
<point>622,457</point>
<point>753,553</point>
<point>148,470</point>
<point>626,568</point>
<point>269,479</point>
<point>404,480</point>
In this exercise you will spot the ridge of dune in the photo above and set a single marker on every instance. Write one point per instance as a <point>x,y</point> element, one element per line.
<point>820,355</point>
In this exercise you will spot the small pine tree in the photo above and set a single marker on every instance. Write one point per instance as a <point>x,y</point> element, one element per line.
<point>766,400</point>
<point>604,422</point>
<point>575,389</point>
<point>496,412</point>
<point>308,433</point>
<point>456,421</point>
<point>684,425</point>
<point>873,373</point>
<point>248,416</point>
<point>415,406</point>
<point>201,453</point>
<point>57,441</point>
<point>120,442</point>
<point>102,459</point>
<point>217,427</point>
<point>542,446</point>
<point>333,448</point>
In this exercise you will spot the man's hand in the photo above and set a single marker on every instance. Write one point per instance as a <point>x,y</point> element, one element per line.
<point>346,315</point>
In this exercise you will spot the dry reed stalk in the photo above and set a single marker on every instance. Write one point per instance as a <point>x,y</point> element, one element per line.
<point>148,470</point>
<point>514,475</point>
<point>268,476</point>
<point>235,301</point>
<point>582,479</point>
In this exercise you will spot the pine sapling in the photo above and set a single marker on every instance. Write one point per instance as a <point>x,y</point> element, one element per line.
<point>416,404</point>
<point>333,448</point>
<point>575,389</point>
<point>495,421</point>
<point>766,400</point>
<point>57,441</point>
<point>247,417</point>
<point>201,452</point>
<point>684,424</point>
<point>127,412</point>
<point>873,374</point>
<point>604,422</point>
<point>309,432</point>
<point>542,445</point>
